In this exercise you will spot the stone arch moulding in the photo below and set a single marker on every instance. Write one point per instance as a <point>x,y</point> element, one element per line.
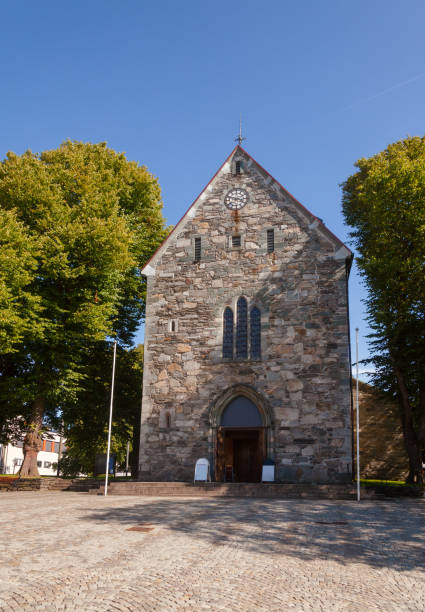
<point>220,404</point>
<point>231,393</point>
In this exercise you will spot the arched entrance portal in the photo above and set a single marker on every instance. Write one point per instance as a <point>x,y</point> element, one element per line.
<point>241,442</point>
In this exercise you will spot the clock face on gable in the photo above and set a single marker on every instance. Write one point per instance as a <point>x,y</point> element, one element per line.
<point>236,199</point>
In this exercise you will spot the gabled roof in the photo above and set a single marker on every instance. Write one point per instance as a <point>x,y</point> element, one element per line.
<point>341,250</point>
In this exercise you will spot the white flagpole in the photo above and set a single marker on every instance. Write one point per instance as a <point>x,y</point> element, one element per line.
<point>110,419</point>
<point>127,457</point>
<point>357,414</point>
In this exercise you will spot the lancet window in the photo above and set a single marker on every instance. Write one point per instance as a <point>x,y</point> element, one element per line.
<point>255,333</point>
<point>228,334</point>
<point>242,329</point>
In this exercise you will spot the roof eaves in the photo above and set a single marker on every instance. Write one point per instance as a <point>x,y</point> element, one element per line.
<point>309,213</point>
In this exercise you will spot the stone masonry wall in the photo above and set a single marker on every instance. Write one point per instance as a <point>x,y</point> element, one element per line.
<point>300,288</point>
<point>382,451</point>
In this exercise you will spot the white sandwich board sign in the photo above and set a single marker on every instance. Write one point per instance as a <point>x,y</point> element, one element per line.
<point>202,471</point>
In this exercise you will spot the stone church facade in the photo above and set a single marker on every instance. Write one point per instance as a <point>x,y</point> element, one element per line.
<point>247,352</point>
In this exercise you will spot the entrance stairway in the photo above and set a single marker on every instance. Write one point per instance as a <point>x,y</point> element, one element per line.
<point>221,489</point>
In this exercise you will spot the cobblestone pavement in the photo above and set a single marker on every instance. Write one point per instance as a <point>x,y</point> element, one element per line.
<point>73,551</point>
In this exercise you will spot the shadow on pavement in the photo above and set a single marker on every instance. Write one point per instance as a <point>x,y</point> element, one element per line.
<point>379,534</point>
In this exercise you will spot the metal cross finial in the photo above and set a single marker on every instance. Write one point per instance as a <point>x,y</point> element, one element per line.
<point>239,139</point>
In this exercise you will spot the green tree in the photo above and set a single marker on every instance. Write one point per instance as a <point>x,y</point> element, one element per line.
<point>95,218</point>
<point>19,309</point>
<point>87,416</point>
<point>384,203</point>
<point>20,315</point>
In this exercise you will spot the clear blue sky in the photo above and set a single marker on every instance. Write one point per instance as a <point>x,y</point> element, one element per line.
<point>319,85</point>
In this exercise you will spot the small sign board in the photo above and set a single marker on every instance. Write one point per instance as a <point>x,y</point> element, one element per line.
<point>202,471</point>
<point>268,473</point>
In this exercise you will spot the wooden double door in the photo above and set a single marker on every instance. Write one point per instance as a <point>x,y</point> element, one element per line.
<point>240,454</point>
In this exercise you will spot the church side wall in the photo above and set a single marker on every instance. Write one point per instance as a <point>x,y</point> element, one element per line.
<point>304,371</point>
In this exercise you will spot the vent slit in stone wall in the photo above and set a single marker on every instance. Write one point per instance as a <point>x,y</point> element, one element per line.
<point>173,325</point>
<point>237,166</point>
<point>236,242</point>
<point>197,249</point>
<point>270,241</point>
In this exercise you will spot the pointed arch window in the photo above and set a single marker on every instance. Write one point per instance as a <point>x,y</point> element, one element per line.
<point>255,333</point>
<point>228,333</point>
<point>242,329</point>
<point>247,338</point>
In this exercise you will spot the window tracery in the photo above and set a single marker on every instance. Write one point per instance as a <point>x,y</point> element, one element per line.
<point>247,336</point>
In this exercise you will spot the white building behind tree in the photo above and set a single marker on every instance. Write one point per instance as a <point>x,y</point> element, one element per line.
<point>12,455</point>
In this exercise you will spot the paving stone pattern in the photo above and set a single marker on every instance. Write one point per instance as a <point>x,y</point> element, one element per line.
<point>72,551</point>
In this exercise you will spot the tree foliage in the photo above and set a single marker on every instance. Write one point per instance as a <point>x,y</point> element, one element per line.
<point>89,219</point>
<point>384,203</point>
<point>88,415</point>
<point>19,308</point>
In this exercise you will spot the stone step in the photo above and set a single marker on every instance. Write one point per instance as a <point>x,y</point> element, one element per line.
<point>54,483</point>
<point>83,486</point>
<point>217,489</point>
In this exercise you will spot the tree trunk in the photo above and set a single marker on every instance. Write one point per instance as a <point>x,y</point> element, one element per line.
<point>32,441</point>
<point>413,440</point>
<point>414,452</point>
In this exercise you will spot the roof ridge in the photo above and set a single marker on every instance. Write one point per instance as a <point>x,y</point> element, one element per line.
<point>238,146</point>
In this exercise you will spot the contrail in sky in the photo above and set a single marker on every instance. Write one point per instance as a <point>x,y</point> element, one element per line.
<point>385,91</point>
